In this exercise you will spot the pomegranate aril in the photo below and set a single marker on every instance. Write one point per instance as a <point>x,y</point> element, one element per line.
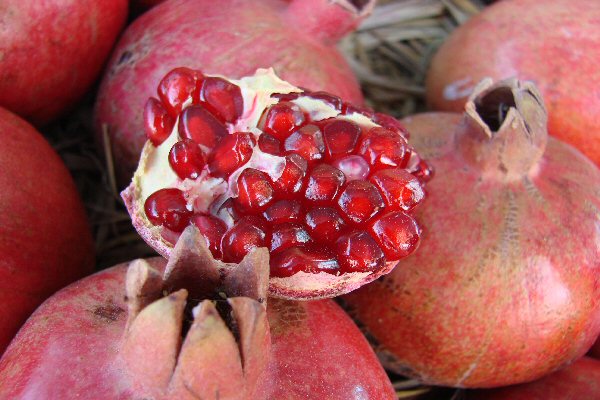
<point>323,184</point>
<point>399,188</point>
<point>353,167</point>
<point>168,207</point>
<point>292,179</point>
<point>213,230</point>
<point>283,211</point>
<point>222,98</point>
<point>391,123</point>
<point>311,259</point>
<point>288,234</point>
<point>281,119</point>
<point>231,153</point>
<point>348,108</point>
<point>383,148</point>
<point>228,212</point>
<point>202,127</point>
<point>397,233</point>
<point>177,87</point>
<point>307,142</point>
<point>186,159</point>
<point>359,252</point>
<point>269,144</point>
<point>255,191</point>
<point>359,201</point>
<point>247,234</point>
<point>340,137</point>
<point>332,100</point>
<point>158,123</point>
<point>287,96</point>
<point>324,224</point>
<point>424,171</point>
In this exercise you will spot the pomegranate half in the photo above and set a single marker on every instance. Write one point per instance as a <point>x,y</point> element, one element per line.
<point>506,286</point>
<point>230,37</point>
<point>552,43</point>
<point>257,162</point>
<point>188,329</point>
<point>52,51</point>
<point>45,240</point>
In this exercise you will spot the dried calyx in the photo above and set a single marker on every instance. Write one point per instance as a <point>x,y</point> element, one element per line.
<point>327,187</point>
<point>200,329</point>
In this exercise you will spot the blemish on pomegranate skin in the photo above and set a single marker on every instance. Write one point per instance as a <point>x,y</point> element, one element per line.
<point>109,312</point>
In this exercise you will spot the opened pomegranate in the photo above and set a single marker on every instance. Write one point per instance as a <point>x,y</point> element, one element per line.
<point>550,42</point>
<point>505,287</point>
<point>188,330</point>
<point>581,380</point>
<point>258,162</point>
<point>45,240</point>
<point>52,51</point>
<point>230,37</point>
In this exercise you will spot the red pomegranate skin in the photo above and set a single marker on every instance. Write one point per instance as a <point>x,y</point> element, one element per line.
<point>52,51</point>
<point>45,240</point>
<point>296,38</point>
<point>67,349</point>
<point>581,380</point>
<point>505,287</point>
<point>550,42</point>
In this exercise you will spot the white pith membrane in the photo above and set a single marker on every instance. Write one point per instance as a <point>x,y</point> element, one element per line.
<point>206,194</point>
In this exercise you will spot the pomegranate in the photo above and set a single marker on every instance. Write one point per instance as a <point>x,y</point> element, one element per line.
<point>549,42</point>
<point>595,350</point>
<point>52,51</point>
<point>188,329</point>
<point>506,286</point>
<point>45,240</point>
<point>230,37</point>
<point>257,162</point>
<point>581,380</point>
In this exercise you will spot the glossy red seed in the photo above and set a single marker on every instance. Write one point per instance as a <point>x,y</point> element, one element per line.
<point>247,234</point>
<point>391,123</point>
<point>281,119</point>
<point>397,234</point>
<point>323,184</point>
<point>288,234</point>
<point>328,98</point>
<point>186,159</point>
<point>177,87</point>
<point>400,189</point>
<point>168,207</point>
<point>360,201</point>
<point>287,96</point>
<point>255,191</point>
<point>231,153</point>
<point>307,142</point>
<point>222,98</point>
<point>340,137</point>
<point>213,230</point>
<point>291,180</point>
<point>383,148</point>
<point>202,127</point>
<point>424,171</point>
<point>269,144</point>
<point>353,167</point>
<point>324,224</point>
<point>311,259</point>
<point>359,252</point>
<point>348,108</point>
<point>158,123</point>
<point>283,211</point>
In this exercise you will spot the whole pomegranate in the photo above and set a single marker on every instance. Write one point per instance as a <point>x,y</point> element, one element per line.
<point>45,240</point>
<point>581,380</point>
<point>550,42</point>
<point>257,162</point>
<point>505,288</point>
<point>52,51</point>
<point>230,37</point>
<point>188,330</point>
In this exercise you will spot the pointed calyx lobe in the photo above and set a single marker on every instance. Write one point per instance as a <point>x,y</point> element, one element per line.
<point>328,188</point>
<point>200,328</point>
<point>504,132</point>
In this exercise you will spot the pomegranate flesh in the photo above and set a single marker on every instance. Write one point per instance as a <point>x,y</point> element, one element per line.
<point>330,194</point>
<point>506,286</point>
